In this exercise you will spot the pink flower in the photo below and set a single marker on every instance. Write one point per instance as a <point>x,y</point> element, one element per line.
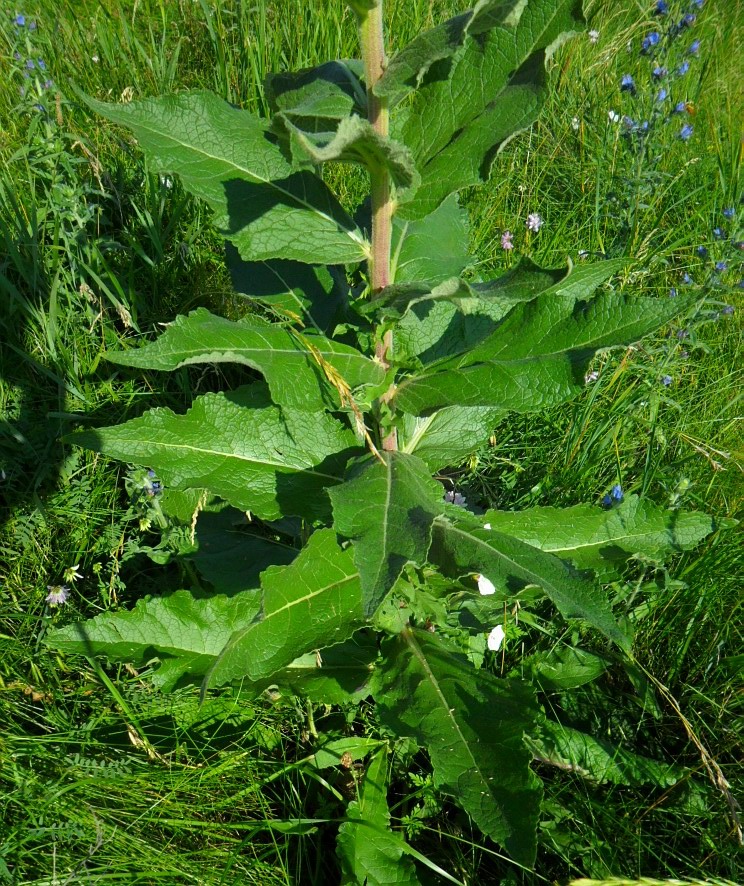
<point>57,595</point>
<point>506,240</point>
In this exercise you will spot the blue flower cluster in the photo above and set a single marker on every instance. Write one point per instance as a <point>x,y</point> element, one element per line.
<point>35,83</point>
<point>614,497</point>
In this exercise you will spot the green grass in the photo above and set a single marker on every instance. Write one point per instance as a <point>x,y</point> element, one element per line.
<point>102,780</point>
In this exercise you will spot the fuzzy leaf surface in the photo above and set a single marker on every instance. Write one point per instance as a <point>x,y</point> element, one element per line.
<point>473,725</point>
<point>228,158</point>
<point>464,547</point>
<point>599,760</point>
<point>315,295</point>
<point>292,370</point>
<point>449,436</point>
<point>387,510</point>
<point>536,356</point>
<point>241,447</point>
<point>366,846</point>
<point>469,104</point>
<point>602,540</point>
<point>317,98</point>
<point>316,601</point>
<point>185,633</point>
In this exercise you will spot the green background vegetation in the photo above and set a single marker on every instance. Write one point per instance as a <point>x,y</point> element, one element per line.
<point>102,780</point>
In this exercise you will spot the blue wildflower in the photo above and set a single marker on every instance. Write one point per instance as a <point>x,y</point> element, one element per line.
<point>650,40</point>
<point>719,233</point>
<point>721,266</point>
<point>680,107</point>
<point>729,212</point>
<point>682,334</point>
<point>32,26</point>
<point>688,20</point>
<point>661,8</point>
<point>685,132</point>
<point>20,21</point>
<point>666,380</point>
<point>627,84</point>
<point>607,501</point>
<point>661,94</point>
<point>17,55</point>
<point>659,72</point>
<point>629,122</point>
<point>698,3</point>
<point>683,68</point>
<point>617,492</point>
<point>686,278</point>
<point>48,84</point>
<point>30,64</point>
<point>694,47</point>
<point>41,64</point>
<point>729,309</point>
<point>702,251</point>
<point>672,293</point>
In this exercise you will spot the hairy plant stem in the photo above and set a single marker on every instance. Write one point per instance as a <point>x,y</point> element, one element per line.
<point>373,56</point>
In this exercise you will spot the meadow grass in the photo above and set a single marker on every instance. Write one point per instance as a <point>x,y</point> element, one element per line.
<point>105,781</point>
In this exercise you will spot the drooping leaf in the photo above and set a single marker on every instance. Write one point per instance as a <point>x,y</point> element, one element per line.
<point>241,447</point>
<point>449,436</point>
<point>316,295</point>
<point>446,320</point>
<point>592,538</point>
<point>354,140</point>
<point>432,249</point>
<point>597,759</point>
<point>536,356</point>
<point>469,104</point>
<point>292,370</point>
<point>473,726</point>
<point>367,848</point>
<point>407,68</point>
<point>316,601</point>
<point>465,547</point>
<point>562,668</point>
<point>386,507</point>
<point>229,556</point>
<point>185,633</point>
<point>228,158</point>
<point>318,98</point>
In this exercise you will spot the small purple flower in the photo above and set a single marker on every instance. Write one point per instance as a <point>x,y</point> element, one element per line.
<point>17,55</point>
<point>48,84</point>
<point>702,251</point>
<point>659,72</point>
<point>721,266</point>
<point>650,40</point>
<point>41,64</point>
<point>729,212</point>
<point>506,240</point>
<point>661,8</point>
<point>666,380</point>
<point>686,132</point>
<point>32,26</point>
<point>20,21</point>
<point>694,47</point>
<point>719,233</point>
<point>661,95</point>
<point>672,293</point>
<point>57,595</point>
<point>30,64</point>
<point>683,68</point>
<point>455,498</point>
<point>728,310</point>
<point>627,84</point>
<point>534,222</point>
<point>617,493</point>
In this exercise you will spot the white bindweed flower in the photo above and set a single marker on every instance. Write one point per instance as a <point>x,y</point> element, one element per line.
<point>486,525</point>
<point>613,116</point>
<point>496,638</point>
<point>485,586</point>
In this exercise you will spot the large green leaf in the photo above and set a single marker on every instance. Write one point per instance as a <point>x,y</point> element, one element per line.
<point>473,726</point>
<point>291,367</point>
<point>228,157</point>
<point>446,320</point>
<point>592,538</point>
<point>185,633</point>
<point>386,506</point>
<point>468,104</point>
<point>449,436</point>
<point>241,447</point>
<point>316,601</point>
<point>318,98</point>
<point>368,849</point>
<point>597,759</point>
<point>230,556</point>
<point>316,295</point>
<point>465,547</point>
<point>537,355</point>
<point>432,249</point>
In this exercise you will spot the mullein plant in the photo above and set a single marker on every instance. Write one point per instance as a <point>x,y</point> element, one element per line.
<point>333,563</point>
